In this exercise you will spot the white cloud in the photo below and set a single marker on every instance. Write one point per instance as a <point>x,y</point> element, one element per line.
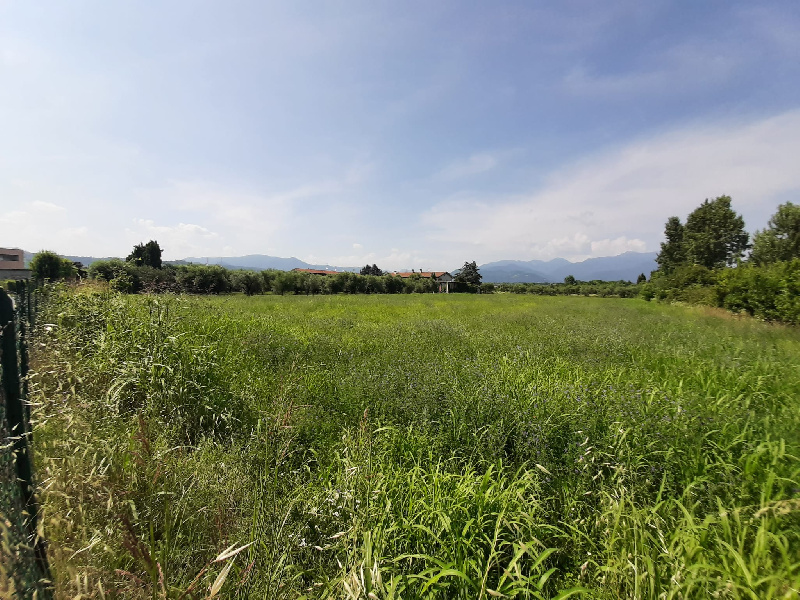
<point>357,246</point>
<point>393,260</point>
<point>616,246</point>
<point>183,239</point>
<point>39,205</point>
<point>41,226</point>
<point>622,198</point>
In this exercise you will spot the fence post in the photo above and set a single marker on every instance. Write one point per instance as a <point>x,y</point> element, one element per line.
<point>31,570</point>
<point>23,316</point>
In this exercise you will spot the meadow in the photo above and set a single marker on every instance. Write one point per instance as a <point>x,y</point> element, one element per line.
<point>415,446</point>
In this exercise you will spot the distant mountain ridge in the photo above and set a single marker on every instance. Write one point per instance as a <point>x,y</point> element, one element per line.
<point>626,267</point>
<point>263,261</point>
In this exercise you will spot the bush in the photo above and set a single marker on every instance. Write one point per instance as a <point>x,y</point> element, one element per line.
<point>121,276</point>
<point>47,265</point>
<point>770,292</point>
<point>203,279</point>
<point>687,283</point>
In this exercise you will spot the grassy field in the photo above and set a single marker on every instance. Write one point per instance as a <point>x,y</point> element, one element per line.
<point>416,446</point>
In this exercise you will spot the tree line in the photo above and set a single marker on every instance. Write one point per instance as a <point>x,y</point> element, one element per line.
<point>127,277</point>
<point>215,279</point>
<point>705,260</point>
<point>145,271</point>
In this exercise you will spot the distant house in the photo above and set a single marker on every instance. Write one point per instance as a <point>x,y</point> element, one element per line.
<point>12,264</point>
<point>443,278</point>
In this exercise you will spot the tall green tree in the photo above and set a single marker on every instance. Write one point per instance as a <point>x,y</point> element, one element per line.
<point>469,273</point>
<point>49,265</point>
<point>248,282</point>
<point>781,239</point>
<point>673,251</point>
<point>371,270</point>
<point>148,254</point>
<point>714,234</point>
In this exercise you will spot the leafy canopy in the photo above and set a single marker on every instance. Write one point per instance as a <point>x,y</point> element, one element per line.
<point>673,252</point>
<point>469,273</point>
<point>714,234</point>
<point>49,265</point>
<point>371,270</point>
<point>780,241</point>
<point>712,237</point>
<point>148,254</point>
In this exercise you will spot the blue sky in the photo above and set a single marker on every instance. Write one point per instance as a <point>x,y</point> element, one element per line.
<point>409,134</point>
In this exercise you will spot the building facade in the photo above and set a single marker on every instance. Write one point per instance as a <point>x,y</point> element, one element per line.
<point>12,264</point>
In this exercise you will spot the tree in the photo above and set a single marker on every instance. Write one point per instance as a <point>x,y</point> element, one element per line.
<point>641,279</point>
<point>673,251</point>
<point>714,234</point>
<point>371,270</point>
<point>49,265</point>
<point>148,254</point>
<point>570,280</point>
<point>469,273</point>
<point>283,282</point>
<point>780,241</point>
<point>246,281</point>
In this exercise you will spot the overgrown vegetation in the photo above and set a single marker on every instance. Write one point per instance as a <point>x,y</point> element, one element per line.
<point>214,279</point>
<point>605,289</point>
<point>47,265</point>
<point>701,262</point>
<point>415,447</point>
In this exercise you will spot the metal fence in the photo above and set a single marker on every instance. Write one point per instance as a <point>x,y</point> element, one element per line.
<point>24,572</point>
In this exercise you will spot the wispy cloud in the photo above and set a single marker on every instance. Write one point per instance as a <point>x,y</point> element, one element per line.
<point>685,67</point>
<point>24,227</point>
<point>183,239</point>
<point>46,206</point>
<point>474,165</point>
<point>629,192</point>
<point>394,259</point>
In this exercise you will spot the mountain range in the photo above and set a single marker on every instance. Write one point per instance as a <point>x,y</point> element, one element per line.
<point>625,267</point>
<point>260,262</point>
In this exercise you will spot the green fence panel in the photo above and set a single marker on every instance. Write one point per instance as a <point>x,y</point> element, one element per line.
<point>24,571</point>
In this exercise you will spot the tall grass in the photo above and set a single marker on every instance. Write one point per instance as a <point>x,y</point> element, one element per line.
<point>416,447</point>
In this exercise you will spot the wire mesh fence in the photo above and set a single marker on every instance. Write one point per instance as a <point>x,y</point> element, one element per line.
<point>24,572</point>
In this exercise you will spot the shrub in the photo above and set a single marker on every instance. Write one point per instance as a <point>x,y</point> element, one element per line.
<point>49,265</point>
<point>122,276</point>
<point>770,292</point>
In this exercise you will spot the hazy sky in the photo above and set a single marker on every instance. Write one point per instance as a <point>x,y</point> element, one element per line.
<point>409,134</point>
